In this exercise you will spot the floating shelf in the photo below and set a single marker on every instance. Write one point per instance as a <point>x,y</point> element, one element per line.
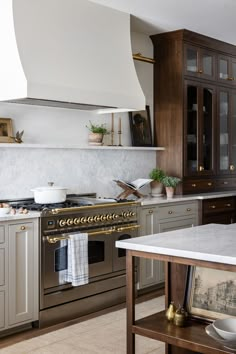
<point>62,146</point>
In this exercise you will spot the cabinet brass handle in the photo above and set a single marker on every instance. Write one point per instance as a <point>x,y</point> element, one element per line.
<point>228,205</point>
<point>150,211</point>
<point>225,182</point>
<point>201,168</point>
<point>170,212</point>
<point>189,209</point>
<point>230,78</point>
<point>212,206</point>
<point>200,71</point>
<point>194,185</point>
<point>22,228</point>
<point>209,183</point>
<point>231,167</point>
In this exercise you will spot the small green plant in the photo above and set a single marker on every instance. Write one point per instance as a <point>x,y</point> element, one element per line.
<point>99,129</point>
<point>157,174</point>
<point>169,181</point>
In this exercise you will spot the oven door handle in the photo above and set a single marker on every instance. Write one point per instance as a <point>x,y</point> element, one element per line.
<point>123,228</point>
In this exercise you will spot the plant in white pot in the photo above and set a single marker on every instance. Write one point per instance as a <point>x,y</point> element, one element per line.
<point>170,184</point>
<point>97,133</point>
<point>156,185</point>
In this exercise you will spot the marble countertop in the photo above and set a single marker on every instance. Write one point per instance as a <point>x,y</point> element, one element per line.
<point>212,242</point>
<point>185,198</point>
<point>17,216</point>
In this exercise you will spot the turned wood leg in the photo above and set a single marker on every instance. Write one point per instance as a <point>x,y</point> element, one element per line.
<point>130,301</point>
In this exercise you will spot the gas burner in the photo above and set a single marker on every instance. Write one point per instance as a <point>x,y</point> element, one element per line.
<point>31,205</point>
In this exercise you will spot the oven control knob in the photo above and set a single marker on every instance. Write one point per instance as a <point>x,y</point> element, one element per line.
<point>62,222</point>
<point>83,220</point>
<point>97,218</point>
<point>109,217</point>
<point>69,222</point>
<point>115,216</point>
<point>76,221</point>
<point>90,219</point>
<point>103,217</point>
<point>132,213</point>
<point>124,214</point>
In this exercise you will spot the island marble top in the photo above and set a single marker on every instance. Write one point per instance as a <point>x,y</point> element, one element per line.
<point>212,242</point>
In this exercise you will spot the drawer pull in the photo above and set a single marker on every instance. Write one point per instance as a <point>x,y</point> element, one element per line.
<point>189,209</point>
<point>209,183</point>
<point>225,182</point>
<point>194,185</point>
<point>201,168</point>
<point>231,167</point>
<point>228,205</point>
<point>212,206</point>
<point>150,211</point>
<point>22,228</point>
<point>170,212</point>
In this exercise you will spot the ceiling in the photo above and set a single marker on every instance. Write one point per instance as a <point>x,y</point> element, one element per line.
<point>214,18</point>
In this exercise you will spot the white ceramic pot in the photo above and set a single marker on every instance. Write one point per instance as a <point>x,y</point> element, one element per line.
<point>156,189</point>
<point>49,195</point>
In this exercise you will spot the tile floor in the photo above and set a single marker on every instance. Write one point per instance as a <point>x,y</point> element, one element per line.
<point>104,334</point>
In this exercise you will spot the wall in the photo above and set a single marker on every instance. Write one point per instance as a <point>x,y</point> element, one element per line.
<point>80,170</point>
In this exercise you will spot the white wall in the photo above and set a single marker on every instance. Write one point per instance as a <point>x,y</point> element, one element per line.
<point>80,170</point>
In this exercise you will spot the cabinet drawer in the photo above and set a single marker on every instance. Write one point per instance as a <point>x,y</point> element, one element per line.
<point>194,186</point>
<point>218,205</point>
<point>2,234</point>
<point>172,211</point>
<point>2,266</point>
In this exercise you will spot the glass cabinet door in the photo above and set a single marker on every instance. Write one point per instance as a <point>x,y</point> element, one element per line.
<point>227,70</point>
<point>233,133</point>
<point>224,131</point>
<point>199,126</point>
<point>191,59</point>
<point>199,62</point>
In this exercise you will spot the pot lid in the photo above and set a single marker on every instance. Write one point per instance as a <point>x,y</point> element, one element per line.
<point>50,187</point>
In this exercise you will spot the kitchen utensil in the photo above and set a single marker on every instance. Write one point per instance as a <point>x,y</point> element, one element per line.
<point>50,194</point>
<point>226,328</point>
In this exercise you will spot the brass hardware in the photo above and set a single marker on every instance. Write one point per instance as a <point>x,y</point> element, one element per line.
<point>200,71</point>
<point>194,185</point>
<point>22,228</point>
<point>90,207</point>
<point>140,57</point>
<point>231,167</point>
<point>225,182</point>
<point>230,78</point>
<point>212,206</point>
<point>150,211</point>
<point>170,212</point>
<point>51,239</point>
<point>201,168</point>
<point>189,209</point>
<point>209,183</point>
<point>228,205</point>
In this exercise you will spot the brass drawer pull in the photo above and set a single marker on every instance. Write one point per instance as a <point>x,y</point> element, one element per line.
<point>212,206</point>
<point>150,211</point>
<point>225,182</point>
<point>209,183</point>
<point>231,167</point>
<point>228,205</point>
<point>201,168</point>
<point>170,212</point>
<point>194,185</point>
<point>200,71</point>
<point>22,228</point>
<point>189,209</point>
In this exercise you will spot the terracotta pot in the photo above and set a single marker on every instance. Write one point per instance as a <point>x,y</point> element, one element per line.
<point>170,192</point>
<point>156,188</point>
<point>95,139</point>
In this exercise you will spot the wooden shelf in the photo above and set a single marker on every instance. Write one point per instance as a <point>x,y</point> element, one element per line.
<point>65,146</point>
<point>157,327</point>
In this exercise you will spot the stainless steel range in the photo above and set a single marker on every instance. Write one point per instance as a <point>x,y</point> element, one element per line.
<point>105,222</point>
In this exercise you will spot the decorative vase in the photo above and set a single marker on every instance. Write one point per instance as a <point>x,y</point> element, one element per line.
<point>156,188</point>
<point>95,138</point>
<point>170,192</point>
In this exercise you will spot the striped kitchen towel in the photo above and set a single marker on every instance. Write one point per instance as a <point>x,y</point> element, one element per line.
<point>77,272</point>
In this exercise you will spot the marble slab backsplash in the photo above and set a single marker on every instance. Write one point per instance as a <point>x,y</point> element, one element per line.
<point>81,171</point>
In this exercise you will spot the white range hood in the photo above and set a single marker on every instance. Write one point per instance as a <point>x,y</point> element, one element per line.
<point>74,54</point>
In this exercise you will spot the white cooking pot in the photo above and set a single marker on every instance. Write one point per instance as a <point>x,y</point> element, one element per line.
<point>49,195</point>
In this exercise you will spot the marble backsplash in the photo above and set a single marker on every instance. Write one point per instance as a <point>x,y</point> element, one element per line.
<point>81,171</point>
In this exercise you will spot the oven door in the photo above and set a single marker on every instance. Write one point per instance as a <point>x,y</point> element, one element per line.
<point>119,254</point>
<point>55,258</point>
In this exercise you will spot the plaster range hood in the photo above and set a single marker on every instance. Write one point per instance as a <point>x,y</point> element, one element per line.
<point>74,54</point>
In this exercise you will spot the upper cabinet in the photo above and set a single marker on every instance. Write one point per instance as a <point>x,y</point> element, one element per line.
<point>195,110</point>
<point>199,62</point>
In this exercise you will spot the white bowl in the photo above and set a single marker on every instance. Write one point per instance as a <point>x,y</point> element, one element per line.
<point>4,211</point>
<point>226,328</point>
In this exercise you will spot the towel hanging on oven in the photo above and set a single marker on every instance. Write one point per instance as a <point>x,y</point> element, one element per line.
<point>77,272</point>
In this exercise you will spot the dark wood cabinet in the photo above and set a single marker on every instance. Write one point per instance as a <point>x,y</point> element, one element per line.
<point>218,211</point>
<point>195,110</point>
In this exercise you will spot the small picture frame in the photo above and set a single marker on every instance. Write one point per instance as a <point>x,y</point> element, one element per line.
<point>6,131</point>
<point>210,293</point>
<point>140,128</point>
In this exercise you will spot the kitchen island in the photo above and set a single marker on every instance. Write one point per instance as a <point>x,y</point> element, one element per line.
<point>209,246</point>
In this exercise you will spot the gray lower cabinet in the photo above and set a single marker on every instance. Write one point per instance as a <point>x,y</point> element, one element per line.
<point>19,298</point>
<point>160,218</point>
<point>3,276</point>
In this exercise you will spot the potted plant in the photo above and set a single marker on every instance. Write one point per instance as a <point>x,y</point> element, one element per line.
<point>97,133</point>
<point>170,184</point>
<point>156,185</point>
